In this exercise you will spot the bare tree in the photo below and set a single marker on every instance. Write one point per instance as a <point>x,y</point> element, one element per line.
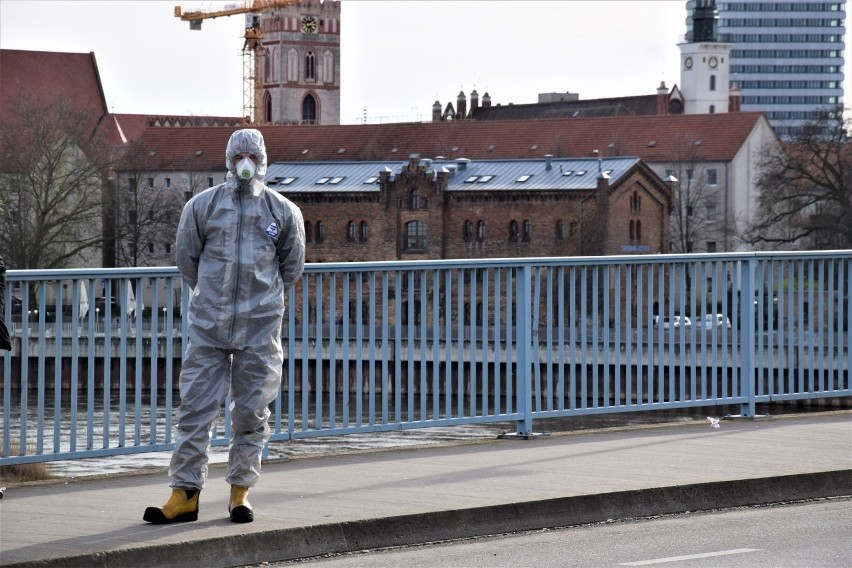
<point>145,211</point>
<point>805,189</point>
<point>55,167</point>
<point>692,217</point>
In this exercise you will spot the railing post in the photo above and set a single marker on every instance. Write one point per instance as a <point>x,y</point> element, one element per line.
<point>525,337</point>
<point>747,338</point>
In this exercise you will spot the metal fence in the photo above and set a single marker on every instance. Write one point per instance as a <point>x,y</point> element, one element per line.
<point>384,346</point>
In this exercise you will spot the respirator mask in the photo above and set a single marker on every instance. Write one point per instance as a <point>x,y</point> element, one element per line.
<point>245,170</point>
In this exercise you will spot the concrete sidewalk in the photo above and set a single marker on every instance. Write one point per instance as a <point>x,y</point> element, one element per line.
<point>312,506</point>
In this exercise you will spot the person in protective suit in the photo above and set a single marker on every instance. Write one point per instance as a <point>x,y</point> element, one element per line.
<point>240,248</point>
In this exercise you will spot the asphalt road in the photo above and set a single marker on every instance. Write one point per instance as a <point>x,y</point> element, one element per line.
<point>814,534</point>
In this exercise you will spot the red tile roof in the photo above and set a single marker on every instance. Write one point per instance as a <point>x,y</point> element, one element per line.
<point>714,137</point>
<point>43,76</point>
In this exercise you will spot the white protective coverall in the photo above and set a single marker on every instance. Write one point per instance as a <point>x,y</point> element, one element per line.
<point>240,247</point>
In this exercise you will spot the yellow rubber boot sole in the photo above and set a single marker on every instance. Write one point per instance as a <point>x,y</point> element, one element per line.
<point>238,506</point>
<point>181,507</point>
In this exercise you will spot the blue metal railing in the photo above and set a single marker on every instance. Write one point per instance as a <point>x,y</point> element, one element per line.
<point>383,346</point>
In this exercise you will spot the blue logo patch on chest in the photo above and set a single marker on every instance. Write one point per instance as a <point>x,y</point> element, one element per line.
<point>272,230</point>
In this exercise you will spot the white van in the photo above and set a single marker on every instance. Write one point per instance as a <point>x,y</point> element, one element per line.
<point>709,321</point>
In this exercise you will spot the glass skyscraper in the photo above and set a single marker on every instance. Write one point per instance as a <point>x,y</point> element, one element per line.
<point>787,56</point>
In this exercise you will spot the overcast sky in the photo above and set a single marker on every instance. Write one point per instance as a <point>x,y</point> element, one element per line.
<point>397,57</point>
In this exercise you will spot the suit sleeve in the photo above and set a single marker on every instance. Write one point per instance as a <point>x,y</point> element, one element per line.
<point>291,249</point>
<point>189,243</point>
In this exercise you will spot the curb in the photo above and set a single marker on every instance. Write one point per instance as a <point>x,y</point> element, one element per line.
<point>353,536</point>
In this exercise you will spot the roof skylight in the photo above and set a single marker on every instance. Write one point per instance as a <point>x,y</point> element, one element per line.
<point>523,178</point>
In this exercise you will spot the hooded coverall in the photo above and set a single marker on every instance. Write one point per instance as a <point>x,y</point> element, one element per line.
<point>240,248</point>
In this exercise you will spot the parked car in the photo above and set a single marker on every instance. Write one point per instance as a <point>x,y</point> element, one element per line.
<point>673,322</point>
<point>710,321</point>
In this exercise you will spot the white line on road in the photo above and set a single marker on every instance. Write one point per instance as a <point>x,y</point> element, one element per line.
<point>690,557</point>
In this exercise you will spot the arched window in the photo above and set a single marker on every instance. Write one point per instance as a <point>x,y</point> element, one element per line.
<point>480,231</point>
<point>365,231</point>
<point>638,230</point>
<point>468,230</point>
<point>327,67</point>
<point>320,231</point>
<point>712,109</point>
<point>527,230</point>
<point>309,110</point>
<point>350,232</point>
<point>414,199</point>
<point>308,233</point>
<point>292,65</point>
<point>632,232</point>
<point>513,230</point>
<point>310,66</point>
<point>415,236</point>
<point>267,106</point>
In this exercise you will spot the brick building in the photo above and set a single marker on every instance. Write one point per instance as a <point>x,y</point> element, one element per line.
<point>425,209</point>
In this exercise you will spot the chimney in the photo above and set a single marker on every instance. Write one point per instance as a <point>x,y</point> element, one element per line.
<point>735,98</point>
<point>461,106</point>
<point>436,111</point>
<point>662,99</point>
<point>486,100</point>
<point>474,101</point>
<point>548,162</point>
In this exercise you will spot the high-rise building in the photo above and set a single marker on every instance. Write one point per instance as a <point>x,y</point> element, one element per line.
<point>787,56</point>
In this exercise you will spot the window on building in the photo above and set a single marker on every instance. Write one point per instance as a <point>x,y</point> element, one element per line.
<point>309,110</point>
<point>309,235</point>
<point>712,109</point>
<point>467,232</point>
<point>150,182</point>
<point>513,230</point>
<point>167,248</point>
<point>210,182</point>
<point>131,185</point>
<point>712,176</point>
<point>527,230</point>
<point>631,230</point>
<point>350,232</point>
<point>150,248</point>
<point>638,230</point>
<point>711,246</point>
<point>415,236</point>
<point>689,175</point>
<point>712,82</point>
<point>414,199</point>
<point>365,231</point>
<point>480,231</point>
<point>320,231</point>
<point>168,182</point>
<point>560,230</point>
<point>310,66</point>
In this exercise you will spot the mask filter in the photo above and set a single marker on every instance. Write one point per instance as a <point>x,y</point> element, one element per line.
<point>246,169</point>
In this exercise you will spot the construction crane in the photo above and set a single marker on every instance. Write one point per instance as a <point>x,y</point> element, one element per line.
<point>253,51</point>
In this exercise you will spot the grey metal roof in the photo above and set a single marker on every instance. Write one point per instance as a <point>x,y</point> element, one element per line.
<point>465,175</point>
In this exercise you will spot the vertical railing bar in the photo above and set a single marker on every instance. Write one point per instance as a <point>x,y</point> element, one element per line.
<point>57,367</point>
<point>359,350</point>
<point>345,304</point>
<point>486,342</point>
<point>459,398</point>
<point>40,393</point>
<point>385,373</point>
<point>560,335</point>
<point>319,377</point>
<point>332,350</point>
<point>499,343</point>
<point>535,371</point>
<point>471,353</point>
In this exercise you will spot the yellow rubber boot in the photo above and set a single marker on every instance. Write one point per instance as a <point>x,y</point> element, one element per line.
<point>238,506</point>
<point>181,507</point>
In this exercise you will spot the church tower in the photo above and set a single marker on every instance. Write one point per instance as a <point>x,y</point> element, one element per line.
<point>705,63</point>
<point>301,63</point>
